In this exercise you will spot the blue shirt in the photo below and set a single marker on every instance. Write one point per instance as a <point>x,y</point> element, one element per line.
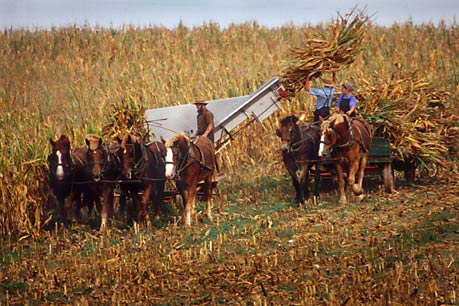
<point>351,97</point>
<point>324,96</point>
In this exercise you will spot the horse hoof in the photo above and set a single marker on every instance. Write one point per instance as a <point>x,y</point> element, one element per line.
<point>148,224</point>
<point>356,189</point>
<point>342,201</point>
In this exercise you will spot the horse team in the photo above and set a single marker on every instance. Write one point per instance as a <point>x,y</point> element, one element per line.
<point>131,168</point>
<point>340,140</point>
<point>134,169</point>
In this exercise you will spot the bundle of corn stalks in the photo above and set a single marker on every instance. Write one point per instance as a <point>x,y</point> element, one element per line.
<point>125,118</point>
<point>418,120</point>
<point>324,54</point>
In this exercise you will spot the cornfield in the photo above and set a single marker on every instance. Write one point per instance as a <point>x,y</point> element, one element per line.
<point>72,80</point>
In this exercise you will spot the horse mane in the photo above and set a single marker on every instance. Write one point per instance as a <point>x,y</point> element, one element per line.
<point>64,139</point>
<point>78,156</point>
<point>62,143</point>
<point>93,140</point>
<point>134,139</point>
<point>289,119</point>
<point>333,119</point>
<point>181,135</point>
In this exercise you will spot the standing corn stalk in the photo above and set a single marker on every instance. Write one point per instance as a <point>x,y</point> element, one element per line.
<point>126,118</point>
<point>323,54</point>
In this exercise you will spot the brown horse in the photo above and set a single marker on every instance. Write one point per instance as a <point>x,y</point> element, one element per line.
<point>73,174</point>
<point>143,171</point>
<point>61,172</point>
<point>88,163</point>
<point>96,156</point>
<point>193,161</point>
<point>111,175</point>
<point>348,141</point>
<point>300,146</point>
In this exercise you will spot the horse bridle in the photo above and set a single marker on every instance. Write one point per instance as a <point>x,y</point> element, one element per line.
<point>136,166</point>
<point>299,145</point>
<point>188,160</point>
<point>68,165</point>
<point>346,145</point>
<point>91,162</point>
<point>183,162</point>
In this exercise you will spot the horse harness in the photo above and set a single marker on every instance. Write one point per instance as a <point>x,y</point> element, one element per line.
<point>75,159</point>
<point>69,166</point>
<point>140,165</point>
<point>299,146</point>
<point>104,158</point>
<point>350,138</point>
<point>190,158</point>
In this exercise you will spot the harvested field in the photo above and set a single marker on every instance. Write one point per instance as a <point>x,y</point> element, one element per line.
<point>388,249</point>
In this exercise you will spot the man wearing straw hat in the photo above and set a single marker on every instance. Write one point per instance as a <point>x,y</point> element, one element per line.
<point>205,120</point>
<point>324,96</point>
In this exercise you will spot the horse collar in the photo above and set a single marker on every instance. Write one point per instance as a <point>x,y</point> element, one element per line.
<point>349,143</point>
<point>300,144</point>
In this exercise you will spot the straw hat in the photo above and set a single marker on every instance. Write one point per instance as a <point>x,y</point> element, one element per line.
<point>201,101</point>
<point>327,82</point>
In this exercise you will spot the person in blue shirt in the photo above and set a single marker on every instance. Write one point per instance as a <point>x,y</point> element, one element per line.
<point>346,102</point>
<point>324,96</point>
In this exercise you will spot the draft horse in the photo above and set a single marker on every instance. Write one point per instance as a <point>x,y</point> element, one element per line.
<point>111,175</point>
<point>60,172</point>
<point>88,164</point>
<point>300,146</point>
<point>74,174</point>
<point>192,162</point>
<point>347,140</point>
<point>143,169</point>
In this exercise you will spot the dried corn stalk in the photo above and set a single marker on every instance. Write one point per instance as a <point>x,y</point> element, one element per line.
<point>126,118</point>
<point>418,120</point>
<point>321,55</point>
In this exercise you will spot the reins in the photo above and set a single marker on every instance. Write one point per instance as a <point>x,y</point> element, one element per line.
<point>344,146</point>
<point>64,165</point>
<point>140,165</point>
<point>189,159</point>
<point>75,158</point>
<point>298,146</point>
<point>349,143</point>
<point>350,137</point>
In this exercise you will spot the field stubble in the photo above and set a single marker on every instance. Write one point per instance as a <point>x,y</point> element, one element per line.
<point>387,249</point>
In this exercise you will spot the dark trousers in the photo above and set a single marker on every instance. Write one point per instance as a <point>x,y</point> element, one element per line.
<point>323,112</point>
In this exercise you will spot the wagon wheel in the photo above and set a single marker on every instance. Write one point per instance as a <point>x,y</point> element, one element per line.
<point>388,175</point>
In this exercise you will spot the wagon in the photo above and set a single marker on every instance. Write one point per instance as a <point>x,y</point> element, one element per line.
<point>231,117</point>
<point>379,164</point>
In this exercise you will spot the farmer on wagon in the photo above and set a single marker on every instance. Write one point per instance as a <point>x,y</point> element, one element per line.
<point>347,102</point>
<point>324,96</point>
<point>205,120</point>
